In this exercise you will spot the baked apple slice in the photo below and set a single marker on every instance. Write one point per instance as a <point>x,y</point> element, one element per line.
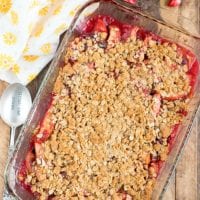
<point>30,157</point>
<point>100,26</point>
<point>45,130</point>
<point>156,104</point>
<point>114,35</point>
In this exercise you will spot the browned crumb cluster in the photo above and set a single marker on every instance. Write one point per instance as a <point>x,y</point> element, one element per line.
<point>111,119</point>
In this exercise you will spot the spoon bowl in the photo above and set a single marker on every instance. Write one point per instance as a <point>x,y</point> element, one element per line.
<point>15,104</point>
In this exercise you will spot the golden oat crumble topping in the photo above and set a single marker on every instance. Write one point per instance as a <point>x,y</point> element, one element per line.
<point>112,117</point>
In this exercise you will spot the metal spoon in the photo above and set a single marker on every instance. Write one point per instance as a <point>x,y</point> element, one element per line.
<point>15,104</point>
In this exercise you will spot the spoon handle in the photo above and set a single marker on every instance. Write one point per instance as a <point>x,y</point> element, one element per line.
<point>6,195</point>
<point>12,139</point>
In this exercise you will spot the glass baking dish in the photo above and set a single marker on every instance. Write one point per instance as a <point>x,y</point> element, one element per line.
<point>127,14</point>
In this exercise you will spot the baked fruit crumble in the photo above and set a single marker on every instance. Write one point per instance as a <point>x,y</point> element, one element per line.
<point>118,102</point>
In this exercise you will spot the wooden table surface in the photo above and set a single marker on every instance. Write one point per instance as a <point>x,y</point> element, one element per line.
<point>184,183</point>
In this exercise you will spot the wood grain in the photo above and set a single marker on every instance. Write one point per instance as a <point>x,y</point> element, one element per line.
<point>170,192</point>
<point>198,155</point>
<point>186,173</point>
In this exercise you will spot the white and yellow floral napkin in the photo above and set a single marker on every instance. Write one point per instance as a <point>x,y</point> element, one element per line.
<point>29,35</point>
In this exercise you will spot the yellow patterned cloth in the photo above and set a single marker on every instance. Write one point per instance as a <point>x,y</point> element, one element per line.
<point>29,35</point>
